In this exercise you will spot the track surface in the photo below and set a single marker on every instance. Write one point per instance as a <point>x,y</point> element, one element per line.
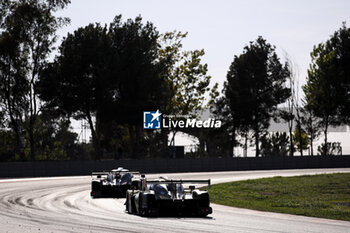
<point>64,205</point>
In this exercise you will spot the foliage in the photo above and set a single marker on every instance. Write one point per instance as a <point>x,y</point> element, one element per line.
<point>108,75</point>
<point>339,46</point>
<point>187,75</point>
<point>14,84</point>
<point>58,152</point>
<point>27,37</point>
<point>333,148</point>
<point>304,139</point>
<point>75,82</point>
<point>275,144</point>
<point>328,84</point>
<point>311,124</point>
<point>187,78</point>
<point>255,86</point>
<point>114,74</point>
<point>141,77</point>
<point>291,104</point>
<point>219,142</point>
<point>7,143</point>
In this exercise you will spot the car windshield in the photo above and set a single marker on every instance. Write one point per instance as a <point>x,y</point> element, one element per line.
<point>160,189</point>
<point>110,177</point>
<point>126,178</point>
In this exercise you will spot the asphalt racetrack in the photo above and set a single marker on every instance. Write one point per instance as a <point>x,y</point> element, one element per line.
<point>63,204</point>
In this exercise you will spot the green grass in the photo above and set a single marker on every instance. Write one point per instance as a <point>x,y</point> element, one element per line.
<point>325,196</point>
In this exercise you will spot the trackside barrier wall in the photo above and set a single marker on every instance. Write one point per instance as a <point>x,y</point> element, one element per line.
<point>75,168</point>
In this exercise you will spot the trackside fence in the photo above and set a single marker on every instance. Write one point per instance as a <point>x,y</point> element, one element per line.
<point>76,168</point>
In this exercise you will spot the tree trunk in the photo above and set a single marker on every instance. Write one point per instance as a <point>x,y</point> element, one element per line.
<point>257,148</point>
<point>33,110</point>
<point>10,106</point>
<point>31,127</point>
<point>95,139</point>
<point>18,141</point>
<point>325,137</point>
<point>14,127</point>
<point>132,141</point>
<point>139,147</point>
<point>164,133</point>
<point>311,131</point>
<point>172,145</point>
<point>291,150</point>
<point>300,139</point>
<point>202,146</point>
<point>31,138</point>
<point>245,145</point>
<point>233,142</point>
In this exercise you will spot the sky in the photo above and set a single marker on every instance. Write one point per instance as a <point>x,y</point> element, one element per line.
<point>223,27</point>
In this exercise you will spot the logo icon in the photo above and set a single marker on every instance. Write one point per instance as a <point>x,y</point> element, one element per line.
<point>151,120</point>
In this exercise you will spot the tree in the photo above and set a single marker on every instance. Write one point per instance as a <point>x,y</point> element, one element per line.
<point>255,86</point>
<point>320,91</point>
<point>333,148</point>
<point>302,144</point>
<point>108,76</point>
<point>238,98</point>
<point>186,76</point>
<point>221,141</point>
<point>76,81</point>
<point>53,138</point>
<point>142,81</point>
<point>311,125</point>
<point>13,85</point>
<point>275,144</point>
<point>299,118</point>
<point>7,143</point>
<point>30,27</point>
<point>291,105</point>
<point>337,49</point>
<point>186,73</point>
<point>327,88</point>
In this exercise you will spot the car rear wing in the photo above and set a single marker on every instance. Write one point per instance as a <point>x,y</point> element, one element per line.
<point>101,173</point>
<point>179,181</point>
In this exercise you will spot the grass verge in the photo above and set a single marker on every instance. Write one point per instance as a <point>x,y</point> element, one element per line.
<point>325,196</point>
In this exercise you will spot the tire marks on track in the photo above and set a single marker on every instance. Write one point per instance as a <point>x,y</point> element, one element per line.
<point>65,205</point>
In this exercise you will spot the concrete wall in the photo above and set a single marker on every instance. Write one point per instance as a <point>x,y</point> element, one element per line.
<point>73,168</point>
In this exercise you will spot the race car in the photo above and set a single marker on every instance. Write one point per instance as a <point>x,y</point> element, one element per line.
<point>167,197</point>
<point>112,183</point>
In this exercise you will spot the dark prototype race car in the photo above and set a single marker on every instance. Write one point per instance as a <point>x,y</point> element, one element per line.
<point>112,183</point>
<point>167,197</point>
